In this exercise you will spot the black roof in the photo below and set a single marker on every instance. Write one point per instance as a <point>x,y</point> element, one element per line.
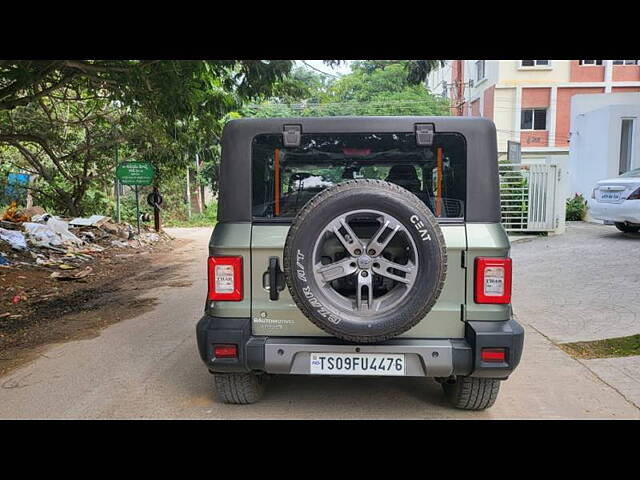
<point>483,202</point>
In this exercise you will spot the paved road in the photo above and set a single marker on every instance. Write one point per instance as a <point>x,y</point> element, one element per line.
<point>582,286</point>
<point>148,367</point>
<point>579,286</point>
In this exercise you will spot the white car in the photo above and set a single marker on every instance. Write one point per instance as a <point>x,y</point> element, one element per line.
<point>617,201</point>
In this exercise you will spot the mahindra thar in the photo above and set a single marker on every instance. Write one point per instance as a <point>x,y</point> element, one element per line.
<point>360,246</point>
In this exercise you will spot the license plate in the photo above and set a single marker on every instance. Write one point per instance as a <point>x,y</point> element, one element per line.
<point>357,364</point>
<point>610,196</point>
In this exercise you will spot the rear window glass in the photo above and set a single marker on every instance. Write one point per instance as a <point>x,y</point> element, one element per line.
<point>284,179</point>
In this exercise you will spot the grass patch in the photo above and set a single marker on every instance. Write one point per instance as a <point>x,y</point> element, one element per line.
<point>206,219</point>
<point>610,347</point>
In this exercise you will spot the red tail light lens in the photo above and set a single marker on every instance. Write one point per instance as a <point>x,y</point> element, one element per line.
<point>493,280</point>
<point>225,278</point>
<point>225,351</point>
<point>493,355</point>
<point>635,195</point>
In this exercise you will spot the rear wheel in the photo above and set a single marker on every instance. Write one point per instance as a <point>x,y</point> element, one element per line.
<point>472,393</point>
<point>623,227</point>
<point>239,388</point>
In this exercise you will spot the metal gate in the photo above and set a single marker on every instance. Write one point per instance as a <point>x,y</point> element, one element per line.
<point>528,197</point>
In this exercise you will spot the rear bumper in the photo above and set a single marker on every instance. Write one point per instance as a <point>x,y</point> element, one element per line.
<point>626,211</point>
<point>424,357</point>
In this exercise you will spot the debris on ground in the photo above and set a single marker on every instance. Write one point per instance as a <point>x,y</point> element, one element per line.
<point>72,276</point>
<point>33,237</point>
<point>51,266</point>
<point>12,214</point>
<point>14,238</point>
<point>92,221</point>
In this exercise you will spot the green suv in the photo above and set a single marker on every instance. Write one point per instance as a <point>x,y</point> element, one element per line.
<point>360,246</point>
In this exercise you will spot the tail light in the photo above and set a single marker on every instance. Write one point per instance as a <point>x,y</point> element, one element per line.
<point>493,355</point>
<point>593,193</point>
<point>493,280</point>
<point>635,195</point>
<point>225,278</point>
<point>225,351</point>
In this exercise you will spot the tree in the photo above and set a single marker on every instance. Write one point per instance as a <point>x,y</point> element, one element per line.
<point>65,117</point>
<point>374,87</point>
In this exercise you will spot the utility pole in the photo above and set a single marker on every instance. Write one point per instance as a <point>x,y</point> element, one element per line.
<point>188,195</point>
<point>117,180</point>
<point>198,184</point>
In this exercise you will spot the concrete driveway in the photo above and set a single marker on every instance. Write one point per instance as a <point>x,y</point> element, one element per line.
<point>582,285</point>
<point>148,367</point>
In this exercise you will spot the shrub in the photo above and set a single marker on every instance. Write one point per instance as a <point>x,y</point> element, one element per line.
<point>576,208</point>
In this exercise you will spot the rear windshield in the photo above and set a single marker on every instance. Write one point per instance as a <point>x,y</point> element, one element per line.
<point>284,179</point>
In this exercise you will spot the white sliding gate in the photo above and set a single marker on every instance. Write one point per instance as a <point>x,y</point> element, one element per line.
<point>530,197</point>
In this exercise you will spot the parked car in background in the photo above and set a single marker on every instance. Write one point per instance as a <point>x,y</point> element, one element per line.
<point>617,201</point>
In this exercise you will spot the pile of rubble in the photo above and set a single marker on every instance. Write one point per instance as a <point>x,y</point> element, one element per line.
<point>33,237</point>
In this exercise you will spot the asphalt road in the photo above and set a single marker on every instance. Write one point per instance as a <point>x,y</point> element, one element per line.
<point>148,367</point>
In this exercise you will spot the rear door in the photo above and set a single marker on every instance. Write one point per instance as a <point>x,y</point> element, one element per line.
<point>284,179</point>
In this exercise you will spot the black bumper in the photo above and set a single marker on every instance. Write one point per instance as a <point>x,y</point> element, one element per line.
<point>461,356</point>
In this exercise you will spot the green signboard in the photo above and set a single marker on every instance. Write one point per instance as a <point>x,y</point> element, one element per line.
<point>135,173</point>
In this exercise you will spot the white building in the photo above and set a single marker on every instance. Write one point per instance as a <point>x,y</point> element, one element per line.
<point>605,138</point>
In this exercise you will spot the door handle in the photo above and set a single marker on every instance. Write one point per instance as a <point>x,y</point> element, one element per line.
<point>276,278</point>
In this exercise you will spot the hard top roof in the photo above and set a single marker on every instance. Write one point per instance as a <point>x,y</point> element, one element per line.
<point>480,135</point>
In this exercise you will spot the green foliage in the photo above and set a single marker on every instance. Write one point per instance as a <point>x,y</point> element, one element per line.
<point>576,208</point>
<point>378,87</point>
<point>206,219</point>
<point>63,121</point>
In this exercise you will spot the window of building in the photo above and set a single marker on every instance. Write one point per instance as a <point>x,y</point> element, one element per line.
<point>625,62</point>
<point>533,119</point>
<point>535,63</point>
<point>590,62</point>
<point>480,70</point>
<point>626,144</point>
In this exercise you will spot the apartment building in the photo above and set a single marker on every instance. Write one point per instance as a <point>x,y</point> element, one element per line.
<point>530,100</point>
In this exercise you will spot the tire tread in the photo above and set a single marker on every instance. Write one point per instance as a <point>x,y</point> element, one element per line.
<point>472,393</point>
<point>239,388</point>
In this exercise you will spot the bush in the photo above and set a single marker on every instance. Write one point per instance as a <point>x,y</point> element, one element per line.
<point>576,208</point>
<point>205,219</point>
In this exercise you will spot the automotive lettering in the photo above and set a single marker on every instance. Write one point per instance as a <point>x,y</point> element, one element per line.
<point>300,271</point>
<point>319,307</point>
<point>424,233</point>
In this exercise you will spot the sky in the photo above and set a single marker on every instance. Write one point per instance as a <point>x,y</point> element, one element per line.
<point>340,70</point>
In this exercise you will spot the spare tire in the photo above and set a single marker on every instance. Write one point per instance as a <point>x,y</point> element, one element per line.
<point>365,260</point>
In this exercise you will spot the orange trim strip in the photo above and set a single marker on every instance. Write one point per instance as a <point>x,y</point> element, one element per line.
<point>277,182</point>
<point>439,181</point>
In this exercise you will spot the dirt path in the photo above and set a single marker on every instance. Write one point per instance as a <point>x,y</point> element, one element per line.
<point>51,311</point>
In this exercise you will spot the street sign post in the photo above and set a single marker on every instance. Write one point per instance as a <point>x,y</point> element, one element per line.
<point>135,174</point>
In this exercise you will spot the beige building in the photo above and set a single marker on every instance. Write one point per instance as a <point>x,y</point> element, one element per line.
<point>530,100</point>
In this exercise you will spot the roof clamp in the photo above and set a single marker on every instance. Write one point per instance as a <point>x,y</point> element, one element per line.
<point>291,135</point>
<point>424,134</point>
